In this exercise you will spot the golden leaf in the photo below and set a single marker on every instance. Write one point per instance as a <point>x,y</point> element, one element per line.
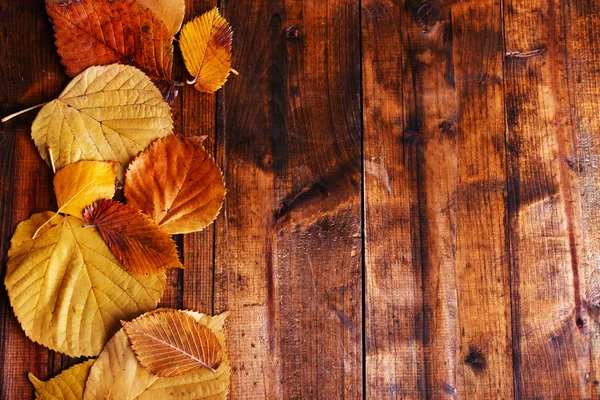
<point>117,367</point>
<point>141,245</point>
<point>82,183</point>
<point>177,183</point>
<point>68,385</point>
<point>172,343</point>
<point>171,12</point>
<point>108,113</point>
<point>205,43</point>
<point>67,289</point>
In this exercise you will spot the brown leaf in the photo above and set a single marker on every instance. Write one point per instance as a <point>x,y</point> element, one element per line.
<point>103,32</point>
<point>172,343</point>
<point>176,182</point>
<point>141,245</point>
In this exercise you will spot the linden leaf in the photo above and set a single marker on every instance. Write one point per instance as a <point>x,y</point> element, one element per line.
<point>107,113</point>
<point>141,245</point>
<point>67,289</point>
<point>171,12</point>
<point>177,183</point>
<point>103,32</point>
<point>117,367</point>
<point>172,343</point>
<point>205,43</point>
<point>80,184</point>
<point>68,385</point>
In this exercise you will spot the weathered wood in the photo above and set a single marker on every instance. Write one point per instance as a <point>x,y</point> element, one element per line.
<point>583,49</point>
<point>289,248</point>
<point>551,354</point>
<point>394,366</point>
<point>482,273</point>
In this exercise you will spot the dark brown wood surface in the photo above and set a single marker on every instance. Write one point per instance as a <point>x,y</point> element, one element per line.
<point>413,203</point>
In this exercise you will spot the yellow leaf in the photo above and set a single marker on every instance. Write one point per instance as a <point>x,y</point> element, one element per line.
<point>171,12</point>
<point>80,184</point>
<point>117,367</point>
<point>67,289</point>
<point>68,385</point>
<point>172,343</point>
<point>206,47</point>
<point>108,113</point>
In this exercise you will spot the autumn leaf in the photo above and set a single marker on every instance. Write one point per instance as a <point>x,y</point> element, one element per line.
<point>108,113</point>
<point>117,367</point>
<point>67,289</point>
<point>102,32</point>
<point>177,183</point>
<point>82,183</point>
<point>205,43</point>
<point>171,12</point>
<point>172,343</point>
<point>141,245</point>
<point>68,385</point>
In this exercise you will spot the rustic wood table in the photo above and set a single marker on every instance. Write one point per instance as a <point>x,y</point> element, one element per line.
<point>413,197</point>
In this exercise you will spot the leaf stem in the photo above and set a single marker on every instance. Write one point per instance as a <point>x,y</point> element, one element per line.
<point>51,155</point>
<point>233,71</point>
<point>11,116</point>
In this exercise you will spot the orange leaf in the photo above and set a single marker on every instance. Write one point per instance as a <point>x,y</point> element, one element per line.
<point>176,182</point>
<point>140,245</point>
<point>172,343</point>
<point>103,32</point>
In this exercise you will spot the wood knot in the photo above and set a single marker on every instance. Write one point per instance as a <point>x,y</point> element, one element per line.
<point>447,128</point>
<point>292,33</point>
<point>476,360</point>
<point>427,15</point>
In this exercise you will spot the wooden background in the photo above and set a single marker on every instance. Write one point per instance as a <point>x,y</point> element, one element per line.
<point>414,197</point>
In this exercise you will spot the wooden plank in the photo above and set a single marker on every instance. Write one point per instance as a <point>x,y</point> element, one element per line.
<point>394,302</point>
<point>289,248</point>
<point>583,49</point>
<point>551,354</point>
<point>485,346</point>
<point>30,74</point>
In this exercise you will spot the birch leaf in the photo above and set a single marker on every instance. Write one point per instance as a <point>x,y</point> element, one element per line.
<point>82,183</point>
<point>102,32</point>
<point>68,385</point>
<point>205,43</point>
<point>108,113</point>
<point>172,343</point>
<point>117,366</point>
<point>177,183</point>
<point>67,289</point>
<point>141,245</point>
<point>171,12</point>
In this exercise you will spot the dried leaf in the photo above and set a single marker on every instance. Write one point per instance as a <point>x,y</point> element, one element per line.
<point>102,32</point>
<point>82,183</point>
<point>171,343</point>
<point>118,367</point>
<point>68,385</point>
<point>205,43</point>
<point>177,183</point>
<point>108,113</point>
<point>171,12</point>
<point>67,289</point>
<point>141,245</point>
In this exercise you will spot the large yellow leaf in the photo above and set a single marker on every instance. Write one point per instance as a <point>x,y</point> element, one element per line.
<point>171,12</point>
<point>117,367</point>
<point>67,289</point>
<point>68,385</point>
<point>108,113</point>
<point>80,184</point>
<point>206,47</point>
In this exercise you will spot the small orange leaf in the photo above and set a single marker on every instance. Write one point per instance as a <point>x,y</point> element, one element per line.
<point>172,343</point>
<point>206,47</point>
<point>176,182</point>
<point>141,245</point>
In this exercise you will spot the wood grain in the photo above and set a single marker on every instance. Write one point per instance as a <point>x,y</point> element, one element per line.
<point>551,355</point>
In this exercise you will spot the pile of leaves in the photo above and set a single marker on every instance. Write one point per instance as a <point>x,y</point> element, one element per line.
<point>76,276</point>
